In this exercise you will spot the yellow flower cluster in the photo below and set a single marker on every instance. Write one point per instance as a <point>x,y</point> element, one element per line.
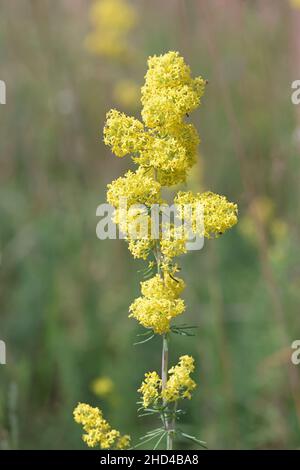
<point>219,214</point>
<point>124,134</point>
<point>159,303</point>
<point>158,287</point>
<point>97,429</point>
<point>130,195</point>
<point>140,248</point>
<point>163,142</point>
<point>112,20</point>
<point>173,241</point>
<point>150,388</point>
<point>179,384</point>
<point>169,92</point>
<point>136,187</point>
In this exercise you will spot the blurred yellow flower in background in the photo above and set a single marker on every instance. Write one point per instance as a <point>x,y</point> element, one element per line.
<point>263,208</point>
<point>279,229</point>
<point>112,21</point>
<point>262,211</point>
<point>127,93</point>
<point>102,386</point>
<point>295,4</point>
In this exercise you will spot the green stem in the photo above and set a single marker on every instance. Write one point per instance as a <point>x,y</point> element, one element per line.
<point>170,441</point>
<point>169,423</point>
<point>164,361</point>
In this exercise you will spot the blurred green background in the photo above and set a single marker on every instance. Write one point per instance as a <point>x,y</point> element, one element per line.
<point>64,294</point>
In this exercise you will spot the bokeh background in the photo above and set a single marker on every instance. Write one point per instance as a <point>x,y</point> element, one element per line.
<point>64,294</point>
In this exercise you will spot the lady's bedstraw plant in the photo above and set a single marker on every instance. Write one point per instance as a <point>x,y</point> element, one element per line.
<point>164,147</point>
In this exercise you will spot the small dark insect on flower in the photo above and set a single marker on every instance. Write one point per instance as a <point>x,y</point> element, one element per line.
<point>174,278</point>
